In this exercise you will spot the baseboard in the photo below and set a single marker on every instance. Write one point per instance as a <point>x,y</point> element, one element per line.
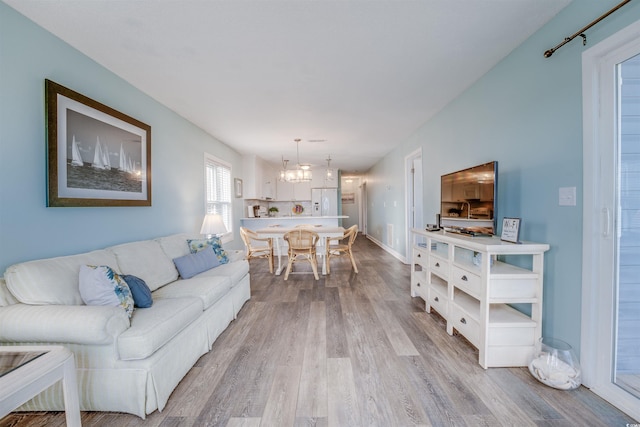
<point>389,250</point>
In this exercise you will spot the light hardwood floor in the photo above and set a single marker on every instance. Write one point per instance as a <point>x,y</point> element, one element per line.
<point>350,350</point>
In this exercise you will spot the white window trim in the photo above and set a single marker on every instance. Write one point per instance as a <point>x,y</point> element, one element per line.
<point>598,114</point>
<point>229,236</point>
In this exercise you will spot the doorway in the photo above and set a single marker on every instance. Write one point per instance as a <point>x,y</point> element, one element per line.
<point>414,192</point>
<point>611,229</point>
<point>351,201</point>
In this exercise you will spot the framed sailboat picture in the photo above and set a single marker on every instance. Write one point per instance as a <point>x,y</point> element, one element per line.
<point>97,156</point>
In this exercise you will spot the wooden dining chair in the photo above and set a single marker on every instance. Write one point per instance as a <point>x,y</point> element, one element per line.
<point>342,246</point>
<point>302,247</point>
<point>256,246</point>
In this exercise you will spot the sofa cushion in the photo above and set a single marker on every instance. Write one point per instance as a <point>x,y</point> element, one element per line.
<point>153,327</point>
<point>53,280</point>
<point>234,270</point>
<point>192,264</point>
<point>100,285</point>
<point>176,245</point>
<point>139,291</point>
<point>196,245</point>
<point>208,289</point>
<point>146,260</point>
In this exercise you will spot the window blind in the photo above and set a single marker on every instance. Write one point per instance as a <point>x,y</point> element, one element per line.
<point>218,189</point>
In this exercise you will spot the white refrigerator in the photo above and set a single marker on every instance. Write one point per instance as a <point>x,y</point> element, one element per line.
<point>324,201</point>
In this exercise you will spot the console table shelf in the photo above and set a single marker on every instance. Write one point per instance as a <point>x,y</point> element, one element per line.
<point>461,278</point>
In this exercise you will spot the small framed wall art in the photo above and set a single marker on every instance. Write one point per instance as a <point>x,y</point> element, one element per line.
<point>237,187</point>
<point>97,156</point>
<point>510,230</point>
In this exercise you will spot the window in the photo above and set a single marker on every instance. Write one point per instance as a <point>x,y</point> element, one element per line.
<point>218,191</point>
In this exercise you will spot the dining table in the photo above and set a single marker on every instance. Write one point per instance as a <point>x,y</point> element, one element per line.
<point>277,233</point>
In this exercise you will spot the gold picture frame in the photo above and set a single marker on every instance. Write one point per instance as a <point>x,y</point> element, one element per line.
<point>97,156</point>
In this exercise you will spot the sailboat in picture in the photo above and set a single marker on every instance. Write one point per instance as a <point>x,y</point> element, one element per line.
<point>125,161</point>
<point>76,158</point>
<point>105,157</point>
<point>98,156</point>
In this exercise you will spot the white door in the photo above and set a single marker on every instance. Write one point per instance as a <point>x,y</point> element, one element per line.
<point>611,236</point>
<point>413,185</point>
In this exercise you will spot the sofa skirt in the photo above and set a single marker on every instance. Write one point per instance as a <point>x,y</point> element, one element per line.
<point>137,387</point>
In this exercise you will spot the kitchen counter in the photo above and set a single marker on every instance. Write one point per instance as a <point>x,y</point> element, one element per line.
<point>286,217</point>
<point>292,221</point>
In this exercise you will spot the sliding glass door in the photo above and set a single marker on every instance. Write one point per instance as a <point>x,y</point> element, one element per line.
<point>611,236</point>
<point>626,240</point>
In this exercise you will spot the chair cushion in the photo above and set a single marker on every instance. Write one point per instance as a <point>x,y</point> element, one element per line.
<point>100,285</point>
<point>208,289</point>
<point>192,264</point>
<point>153,327</point>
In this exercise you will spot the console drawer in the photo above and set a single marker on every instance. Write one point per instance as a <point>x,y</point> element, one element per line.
<point>467,281</point>
<point>465,324</point>
<point>419,285</point>
<point>420,257</point>
<point>438,301</point>
<point>440,267</point>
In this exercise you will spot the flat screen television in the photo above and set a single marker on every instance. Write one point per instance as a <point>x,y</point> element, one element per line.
<point>468,199</point>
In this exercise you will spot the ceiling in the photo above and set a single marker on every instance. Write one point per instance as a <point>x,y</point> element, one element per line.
<point>350,78</point>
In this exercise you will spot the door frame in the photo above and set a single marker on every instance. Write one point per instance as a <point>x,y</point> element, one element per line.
<point>598,297</point>
<point>410,196</point>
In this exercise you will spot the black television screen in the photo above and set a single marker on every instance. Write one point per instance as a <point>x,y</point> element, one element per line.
<point>468,198</point>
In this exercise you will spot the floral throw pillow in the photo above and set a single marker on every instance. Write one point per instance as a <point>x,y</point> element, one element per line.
<point>197,245</point>
<point>100,285</point>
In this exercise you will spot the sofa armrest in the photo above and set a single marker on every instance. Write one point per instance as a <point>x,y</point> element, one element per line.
<point>76,324</point>
<point>234,255</point>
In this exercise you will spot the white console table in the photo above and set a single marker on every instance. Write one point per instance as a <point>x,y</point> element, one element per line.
<point>462,279</point>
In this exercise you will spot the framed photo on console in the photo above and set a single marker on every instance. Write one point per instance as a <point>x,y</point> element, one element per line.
<point>97,156</point>
<point>510,230</point>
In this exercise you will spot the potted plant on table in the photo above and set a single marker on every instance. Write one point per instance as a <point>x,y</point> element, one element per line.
<point>273,211</point>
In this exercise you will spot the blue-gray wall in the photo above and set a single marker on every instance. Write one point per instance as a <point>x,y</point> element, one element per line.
<point>30,230</point>
<point>526,113</point>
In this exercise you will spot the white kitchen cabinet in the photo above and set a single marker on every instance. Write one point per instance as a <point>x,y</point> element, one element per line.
<point>462,279</point>
<point>258,179</point>
<point>287,191</point>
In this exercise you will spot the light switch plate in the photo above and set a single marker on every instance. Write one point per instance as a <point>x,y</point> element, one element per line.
<point>567,196</point>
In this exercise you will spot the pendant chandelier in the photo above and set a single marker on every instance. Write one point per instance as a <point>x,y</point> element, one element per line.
<point>330,173</point>
<point>302,172</point>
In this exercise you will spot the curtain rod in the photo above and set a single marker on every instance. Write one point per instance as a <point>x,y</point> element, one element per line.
<point>580,32</point>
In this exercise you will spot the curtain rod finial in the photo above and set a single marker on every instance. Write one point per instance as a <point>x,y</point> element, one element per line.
<point>548,53</point>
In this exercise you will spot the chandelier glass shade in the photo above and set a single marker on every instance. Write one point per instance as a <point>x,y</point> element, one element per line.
<point>330,173</point>
<point>302,172</point>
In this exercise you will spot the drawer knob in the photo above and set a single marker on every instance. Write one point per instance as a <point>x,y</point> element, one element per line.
<point>437,264</point>
<point>464,278</point>
<point>419,255</point>
<point>436,299</point>
<point>418,284</point>
<point>463,321</point>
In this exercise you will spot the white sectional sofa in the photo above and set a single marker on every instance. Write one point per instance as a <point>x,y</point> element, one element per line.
<point>123,364</point>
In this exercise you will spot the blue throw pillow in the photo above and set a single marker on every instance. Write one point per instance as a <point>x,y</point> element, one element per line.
<point>139,290</point>
<point>192,264</point>
<point>197,245</point>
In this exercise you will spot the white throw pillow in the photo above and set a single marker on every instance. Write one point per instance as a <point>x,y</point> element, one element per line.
<point>100,285</point>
